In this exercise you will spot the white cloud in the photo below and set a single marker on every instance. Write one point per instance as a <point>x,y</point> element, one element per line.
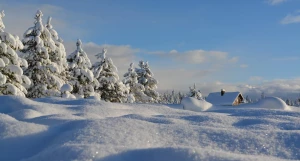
<point>275,2</point>
<point>278,87</point>
<point>198,56</point>
<point>291,18</point>
<point>244,66</point>
<point>121,54</point>
<point>233,60</point>
<point>173,52</point>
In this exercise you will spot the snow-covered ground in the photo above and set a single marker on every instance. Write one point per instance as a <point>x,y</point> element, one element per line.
<point>87,129</point>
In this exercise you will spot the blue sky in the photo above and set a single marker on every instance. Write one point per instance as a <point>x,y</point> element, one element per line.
<point>214,43</point>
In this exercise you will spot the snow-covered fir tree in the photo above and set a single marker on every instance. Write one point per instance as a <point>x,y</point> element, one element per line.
<point>58,55</point>
<point>110,88</point>
<point>43,73</point>
<point>82,78</point>
<point>195,93</point>
<point>136,89</point>
<point>145,77</point>
<point>12,80</point>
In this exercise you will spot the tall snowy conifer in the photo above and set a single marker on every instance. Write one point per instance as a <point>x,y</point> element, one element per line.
<point>82,78</point>
<point>38,44</point>
<point>136,89</point>
<point>58,55</point>
<point>145,77</point>
<point>12,80</point>
<point>105,72</point>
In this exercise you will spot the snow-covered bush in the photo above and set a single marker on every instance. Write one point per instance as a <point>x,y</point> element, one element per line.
<point>136,89</point>
<point>43,73</point>
<point>12,80</point>
<point>195,93</point>
<point>81,77</point>
<point>66,90</point>
<point>145,78</point>
<point>110,88</point>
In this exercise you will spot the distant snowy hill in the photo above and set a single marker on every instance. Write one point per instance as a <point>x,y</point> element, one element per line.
<point>86,129</point>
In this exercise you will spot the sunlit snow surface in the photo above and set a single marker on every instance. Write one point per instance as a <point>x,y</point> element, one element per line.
<point>60,129</point>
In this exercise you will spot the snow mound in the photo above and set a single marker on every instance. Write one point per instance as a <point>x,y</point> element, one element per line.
<point>25,114</point>
<point>10,128</point>
<point>270,103</point>
<point>273,103</point>
<point>14,103</point>
<point>193,104</point>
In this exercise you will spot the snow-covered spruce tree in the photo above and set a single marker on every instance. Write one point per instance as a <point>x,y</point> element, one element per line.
<point>43,73</point>
<point>110,87</point>
<point>58,56</point>
<point>145,77</point>
<point>12,80</point>
<point>82,78</point>
<point>136,89</point>
<point>194,93</point>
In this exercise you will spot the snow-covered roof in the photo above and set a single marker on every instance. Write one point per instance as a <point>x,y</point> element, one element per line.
<point>227,99</point>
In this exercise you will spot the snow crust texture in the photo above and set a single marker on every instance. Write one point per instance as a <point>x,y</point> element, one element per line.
<point>88,129</point>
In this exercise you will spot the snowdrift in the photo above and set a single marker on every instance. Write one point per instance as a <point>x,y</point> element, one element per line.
<point>87,129</point>
<point>193,104</point>
<point>270,103</point>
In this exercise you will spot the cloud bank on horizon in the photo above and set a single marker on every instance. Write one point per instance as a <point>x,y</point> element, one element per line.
<point>213,55</point>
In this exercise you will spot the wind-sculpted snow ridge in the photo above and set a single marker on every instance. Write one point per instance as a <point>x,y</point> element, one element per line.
<point>87,129</point>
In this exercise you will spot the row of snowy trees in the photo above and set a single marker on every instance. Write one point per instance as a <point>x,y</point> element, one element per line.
<point>175,97</point>
<point>42,69</point>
